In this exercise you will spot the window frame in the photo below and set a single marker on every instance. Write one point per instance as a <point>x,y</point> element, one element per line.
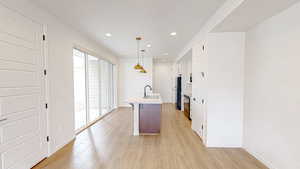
<point>111,90</point>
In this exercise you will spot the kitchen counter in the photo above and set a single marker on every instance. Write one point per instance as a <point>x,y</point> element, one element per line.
<point>146,114</point>
<point>151,99</point>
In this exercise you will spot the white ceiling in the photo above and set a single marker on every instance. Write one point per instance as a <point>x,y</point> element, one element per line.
<point>154,20</point>
<point>251,13</point>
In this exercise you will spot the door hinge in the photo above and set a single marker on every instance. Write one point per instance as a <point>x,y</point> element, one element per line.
<point>203,47</point>
<point>44,37</point>
<point>46,105</point>
<point>202,74</point>
<point>47,138</point>
<point>202,126</point>
<point>45,72</point>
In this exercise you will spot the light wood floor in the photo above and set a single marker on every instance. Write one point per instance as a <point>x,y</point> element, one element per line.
<point>109,144</point>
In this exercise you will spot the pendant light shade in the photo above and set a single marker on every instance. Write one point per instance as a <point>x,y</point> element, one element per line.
<point>138,66</point>
<point>143,71</point>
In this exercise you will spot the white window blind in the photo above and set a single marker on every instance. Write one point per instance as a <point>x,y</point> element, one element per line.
<point>94,88</point>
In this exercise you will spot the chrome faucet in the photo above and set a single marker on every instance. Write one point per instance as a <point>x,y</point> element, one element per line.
<point>145,91</point>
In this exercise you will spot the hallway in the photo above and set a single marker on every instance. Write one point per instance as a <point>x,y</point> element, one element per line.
<point>109,145</point>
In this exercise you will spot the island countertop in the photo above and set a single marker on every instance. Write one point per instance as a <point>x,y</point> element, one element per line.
<point>154,98</point>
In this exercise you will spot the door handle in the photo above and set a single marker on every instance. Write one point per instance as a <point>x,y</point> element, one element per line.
<point>4,119</point>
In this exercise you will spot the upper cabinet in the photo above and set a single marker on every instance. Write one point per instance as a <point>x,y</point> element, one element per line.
<point>185,68</point>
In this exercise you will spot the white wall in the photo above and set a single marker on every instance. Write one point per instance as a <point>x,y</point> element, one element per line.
<point>61,39</point>
<point>163,80</point>
<point>227,8</point>
<point>272,90</point>
<point>221,89</point>
<point>131,82</point>
<point>176,71</point>
<point>225,76</point>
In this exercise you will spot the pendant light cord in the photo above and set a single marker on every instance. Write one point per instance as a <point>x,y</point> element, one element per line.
<point>142,57</point>
<point>138,51</point>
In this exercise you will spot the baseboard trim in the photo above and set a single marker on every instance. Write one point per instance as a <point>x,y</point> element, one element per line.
<point>93,122</point>
<point>53,156</point>
<point>259,157</point>
<point>57,148</point>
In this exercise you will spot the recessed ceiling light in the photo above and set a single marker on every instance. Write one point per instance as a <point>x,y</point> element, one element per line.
<point>149,45</point>
<point>173,34</point>
<point>108,34</point>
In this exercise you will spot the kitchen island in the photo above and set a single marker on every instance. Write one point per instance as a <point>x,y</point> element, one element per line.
<point>146,114</point>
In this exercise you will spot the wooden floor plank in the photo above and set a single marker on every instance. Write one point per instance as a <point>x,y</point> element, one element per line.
<point>109,144</point>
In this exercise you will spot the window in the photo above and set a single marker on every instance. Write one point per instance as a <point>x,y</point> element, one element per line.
<point>79,89</point>
<point>104,86</point>
<point>94,88</point>
<point>108,86</point>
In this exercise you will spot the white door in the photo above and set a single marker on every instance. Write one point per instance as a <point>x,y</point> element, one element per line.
<point>198,101</point>
<point>22,99</point>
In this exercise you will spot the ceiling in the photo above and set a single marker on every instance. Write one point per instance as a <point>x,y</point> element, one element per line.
<point>153,20</point>
<point>251,13</point>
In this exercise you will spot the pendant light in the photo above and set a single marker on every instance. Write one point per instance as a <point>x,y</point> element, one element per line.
<point>143,71</point>
<point>142,61</point>
<point>138,66</point>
